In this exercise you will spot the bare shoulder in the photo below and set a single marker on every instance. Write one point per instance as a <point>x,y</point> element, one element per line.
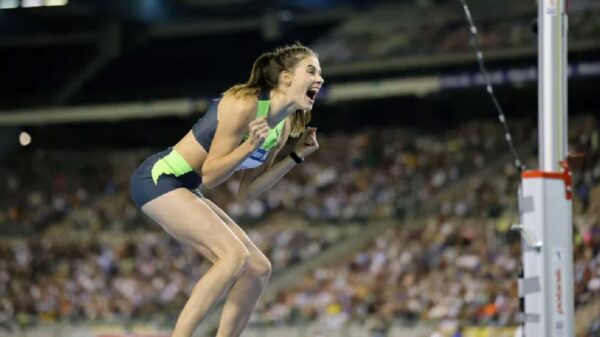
<point>240,108</point>
<point>234,114</point>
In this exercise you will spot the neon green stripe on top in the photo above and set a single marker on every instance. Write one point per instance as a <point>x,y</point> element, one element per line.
<point>173,163</point>
<point>273,136</point>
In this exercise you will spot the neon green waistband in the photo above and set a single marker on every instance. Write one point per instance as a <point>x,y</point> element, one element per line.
<point>173,163</point>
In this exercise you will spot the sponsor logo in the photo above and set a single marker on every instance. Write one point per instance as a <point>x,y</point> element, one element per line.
<point>260,155</point>
<point>558,293</point>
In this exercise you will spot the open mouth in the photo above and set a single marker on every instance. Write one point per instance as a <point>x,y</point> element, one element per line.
<point>312,94</point>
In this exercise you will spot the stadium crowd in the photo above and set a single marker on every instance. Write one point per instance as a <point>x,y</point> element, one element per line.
<point>126,270</point>
<point>460,263</point>
<point>346,179</point>
<point>378,34</point>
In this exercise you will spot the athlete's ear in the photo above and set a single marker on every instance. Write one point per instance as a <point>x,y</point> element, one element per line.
<point>285,77</point>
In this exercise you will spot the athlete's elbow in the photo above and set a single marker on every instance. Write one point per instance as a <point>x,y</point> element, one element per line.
<point>207,183</point>
<point>209,179</point>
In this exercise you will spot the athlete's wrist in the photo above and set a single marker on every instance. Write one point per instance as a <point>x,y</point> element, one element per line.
<point>249,147</point>
<point>296,157</point>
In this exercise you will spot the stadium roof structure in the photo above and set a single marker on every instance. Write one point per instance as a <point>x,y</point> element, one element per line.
<point>91,52</point>
<point>102,50</point>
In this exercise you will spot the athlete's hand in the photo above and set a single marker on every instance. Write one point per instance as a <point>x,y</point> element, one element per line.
<point>307,143</point>
<point>258,131</point>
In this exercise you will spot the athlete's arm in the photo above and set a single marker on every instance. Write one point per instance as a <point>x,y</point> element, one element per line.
<point>256,181</point>
<point>226,153</point>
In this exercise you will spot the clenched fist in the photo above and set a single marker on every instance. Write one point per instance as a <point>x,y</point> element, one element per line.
<point>307,143</point>
<point>258,131</point>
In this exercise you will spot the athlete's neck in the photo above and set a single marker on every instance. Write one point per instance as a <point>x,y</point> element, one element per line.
<point>280,108</point>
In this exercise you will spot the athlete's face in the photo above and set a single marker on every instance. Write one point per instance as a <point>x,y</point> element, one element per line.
<point>305,82</point>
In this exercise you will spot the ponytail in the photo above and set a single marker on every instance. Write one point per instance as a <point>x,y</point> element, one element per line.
<point>256,81</point>
<point>259,75</point>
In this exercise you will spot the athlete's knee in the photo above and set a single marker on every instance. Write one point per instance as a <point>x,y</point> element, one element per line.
<point>236,260</point>
<point>259,266</point>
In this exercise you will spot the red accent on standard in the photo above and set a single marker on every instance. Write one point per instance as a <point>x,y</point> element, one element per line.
<point>541,174</point>
<point>565,176</point>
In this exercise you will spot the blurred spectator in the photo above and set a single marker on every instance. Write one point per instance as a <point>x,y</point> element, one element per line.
<point>380,34</point>
<point>446,267</point>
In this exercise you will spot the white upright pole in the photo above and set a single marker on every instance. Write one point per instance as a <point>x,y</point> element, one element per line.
<point>545,200</point>
<point>552,80</point>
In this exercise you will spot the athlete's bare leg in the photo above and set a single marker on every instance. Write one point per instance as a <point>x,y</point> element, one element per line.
<point>189,219</point>
<point>249,286</point>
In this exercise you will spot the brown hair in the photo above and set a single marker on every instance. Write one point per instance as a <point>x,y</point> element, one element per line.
<point>265,74</point>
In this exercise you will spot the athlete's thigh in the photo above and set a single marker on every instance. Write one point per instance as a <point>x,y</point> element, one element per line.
<point>235,228</point>
<point>189,219</point>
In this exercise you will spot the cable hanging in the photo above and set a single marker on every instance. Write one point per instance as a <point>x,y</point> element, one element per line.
<point>489,88</point>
